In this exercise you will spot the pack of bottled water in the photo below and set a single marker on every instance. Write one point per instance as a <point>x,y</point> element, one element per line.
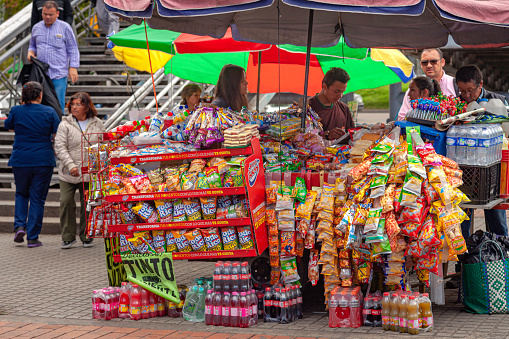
<point>475,145</point>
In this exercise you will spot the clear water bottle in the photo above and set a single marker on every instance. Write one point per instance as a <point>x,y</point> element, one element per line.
<point>461,147</point>
<point>451,142</point>
<point>500,141</point>
<point>191,303</point>
<point>483,145</point>
<point>199,311</point>
<point>471,143</point>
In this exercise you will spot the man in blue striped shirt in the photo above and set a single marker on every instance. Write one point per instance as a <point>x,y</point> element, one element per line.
<point>53,42</point>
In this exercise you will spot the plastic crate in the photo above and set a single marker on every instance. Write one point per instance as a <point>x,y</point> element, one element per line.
<point>481,184</point>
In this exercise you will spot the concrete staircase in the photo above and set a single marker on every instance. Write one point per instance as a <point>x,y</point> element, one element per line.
<point>106,80</point>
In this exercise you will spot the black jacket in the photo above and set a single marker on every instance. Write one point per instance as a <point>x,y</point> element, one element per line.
<point>64,7</point>
<point>36,71</point>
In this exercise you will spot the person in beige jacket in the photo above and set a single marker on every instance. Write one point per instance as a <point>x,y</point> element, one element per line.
<point>68,147</point>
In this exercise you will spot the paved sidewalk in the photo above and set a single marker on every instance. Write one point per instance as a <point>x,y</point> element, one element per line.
<point>46,292</point>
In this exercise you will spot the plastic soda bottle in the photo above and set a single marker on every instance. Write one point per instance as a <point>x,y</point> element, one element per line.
<point>299,302</point>
<point>152,305</point>
<point>172,310</point>
<point>413,315</point>
<point>235,277</point>
<point>208,308</point>
<point>426,313</point>
<point>254,308</point>
<point>386,311</point>
<point>267,305</point>
<point>225,310</point>
<point>160,306</point>
<point>190,304</point>
<point>234,310</point>
<point>402,306</point>
<point>245,277</point>
<point>343,311</point>
<point>218,276</point>
<point>284,306</point>
<point>135,303</point>
<point>394,312</point>
<point>123,309</point>
<point>95,305</point>
<point>276,306</point>
<point>376,311</point>
<point>227,276</point>
<point>145,307</point>
<point>244,310</point>
<point>366,312</point>
<point>355,311</point>
<point>217,308</point>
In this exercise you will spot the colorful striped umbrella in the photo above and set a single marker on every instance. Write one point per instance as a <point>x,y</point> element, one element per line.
<point>201,58</point>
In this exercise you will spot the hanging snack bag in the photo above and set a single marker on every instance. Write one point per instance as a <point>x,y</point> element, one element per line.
<point>171,245</point>
<point>289,270</point>
<point>288,243</point>
<point>212,238</point>
<point>373,219</point>
<point>415,166</point>
<point>208,207</point>
<point>245,237</point>
<point>271,194</point>
<point>284,200</point>
<point>299,244</point>
<point>159,241</point>
<point>309,241</point>
<point>196,241</point>
<point>428,155</point>
<point>181,241</point>
<point>164,209</point>
<point>146,212</point>
<point>313,274</point>
<point>299,191</point>
<point>179,210</point>
<point>229,237</point>
<point>413,184</point>
<point>304,210</point>
<point>192,209</point>
<point>213,177</point>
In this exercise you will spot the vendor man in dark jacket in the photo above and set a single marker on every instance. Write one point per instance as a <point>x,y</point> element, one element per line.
<point>470,84</point>
<point>335,115</point>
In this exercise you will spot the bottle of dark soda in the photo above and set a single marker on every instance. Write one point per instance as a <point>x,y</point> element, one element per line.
<point>261,306</point>
<point>235,277</point>
<point>227,276</point>
<point>245,278</point>
<point>366,312</point>
<point>276,306</point>
<point>267,305</point>
<point>299,302</point>
<point>284,316</point>
<point>294,302</point>
<point>376,312</point>
<point>218,277</point>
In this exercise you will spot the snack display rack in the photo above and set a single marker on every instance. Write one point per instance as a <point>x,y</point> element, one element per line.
<point>254,189</point>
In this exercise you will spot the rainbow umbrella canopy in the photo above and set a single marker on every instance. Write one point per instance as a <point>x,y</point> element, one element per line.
<point>201,58</point>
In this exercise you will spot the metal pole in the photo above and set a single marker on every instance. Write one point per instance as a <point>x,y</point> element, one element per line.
<point>258,83</point>
<point>306,75</point>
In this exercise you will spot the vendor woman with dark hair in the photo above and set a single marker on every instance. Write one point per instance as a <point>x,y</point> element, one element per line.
<point>231,88</point>
<point>32,160</point>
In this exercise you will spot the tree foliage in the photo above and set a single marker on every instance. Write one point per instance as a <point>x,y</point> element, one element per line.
<point>13,6</point>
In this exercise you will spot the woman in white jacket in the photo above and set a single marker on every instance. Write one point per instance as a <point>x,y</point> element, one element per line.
<point>68,147</point>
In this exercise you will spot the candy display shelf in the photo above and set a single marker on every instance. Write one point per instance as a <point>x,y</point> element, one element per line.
<point>254,189</point>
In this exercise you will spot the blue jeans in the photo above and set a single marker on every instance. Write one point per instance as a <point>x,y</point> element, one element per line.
<point>496,221</point>
<point>32,185</point>
<point>60,88</point>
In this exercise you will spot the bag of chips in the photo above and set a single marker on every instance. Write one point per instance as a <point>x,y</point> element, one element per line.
<point>155,176</point>
<point>212,238</point>
<point>208,207</point>
<point>229,237</point>
<point>159,241</point>
<point>171,245</point>
<point>164,209</point>
<point>289,270</point>
<point>197,165</point>
<point>196,241</point>
<point>192,209</point>
<point>213,177</point>
<point>304,210</point>
<point>245,237</point>
<point>182,241</point>
<point>313,274</point>
<point>172,178</point>
<point>145,211</point>
<point>179,210</point>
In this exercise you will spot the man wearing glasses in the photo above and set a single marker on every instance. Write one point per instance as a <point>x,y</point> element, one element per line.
<point>432,64</point>
<point>469,80</point>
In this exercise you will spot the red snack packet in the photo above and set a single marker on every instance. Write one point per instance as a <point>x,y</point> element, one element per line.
<point>141,183</point>
<point>313,275</point>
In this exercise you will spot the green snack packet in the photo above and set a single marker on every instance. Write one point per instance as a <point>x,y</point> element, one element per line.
<point>289,269</point>
<point>203,182</point>
<point>237,177</point>
<point>213,177</point>
<point>299,191</point>
<point>378,181</point>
